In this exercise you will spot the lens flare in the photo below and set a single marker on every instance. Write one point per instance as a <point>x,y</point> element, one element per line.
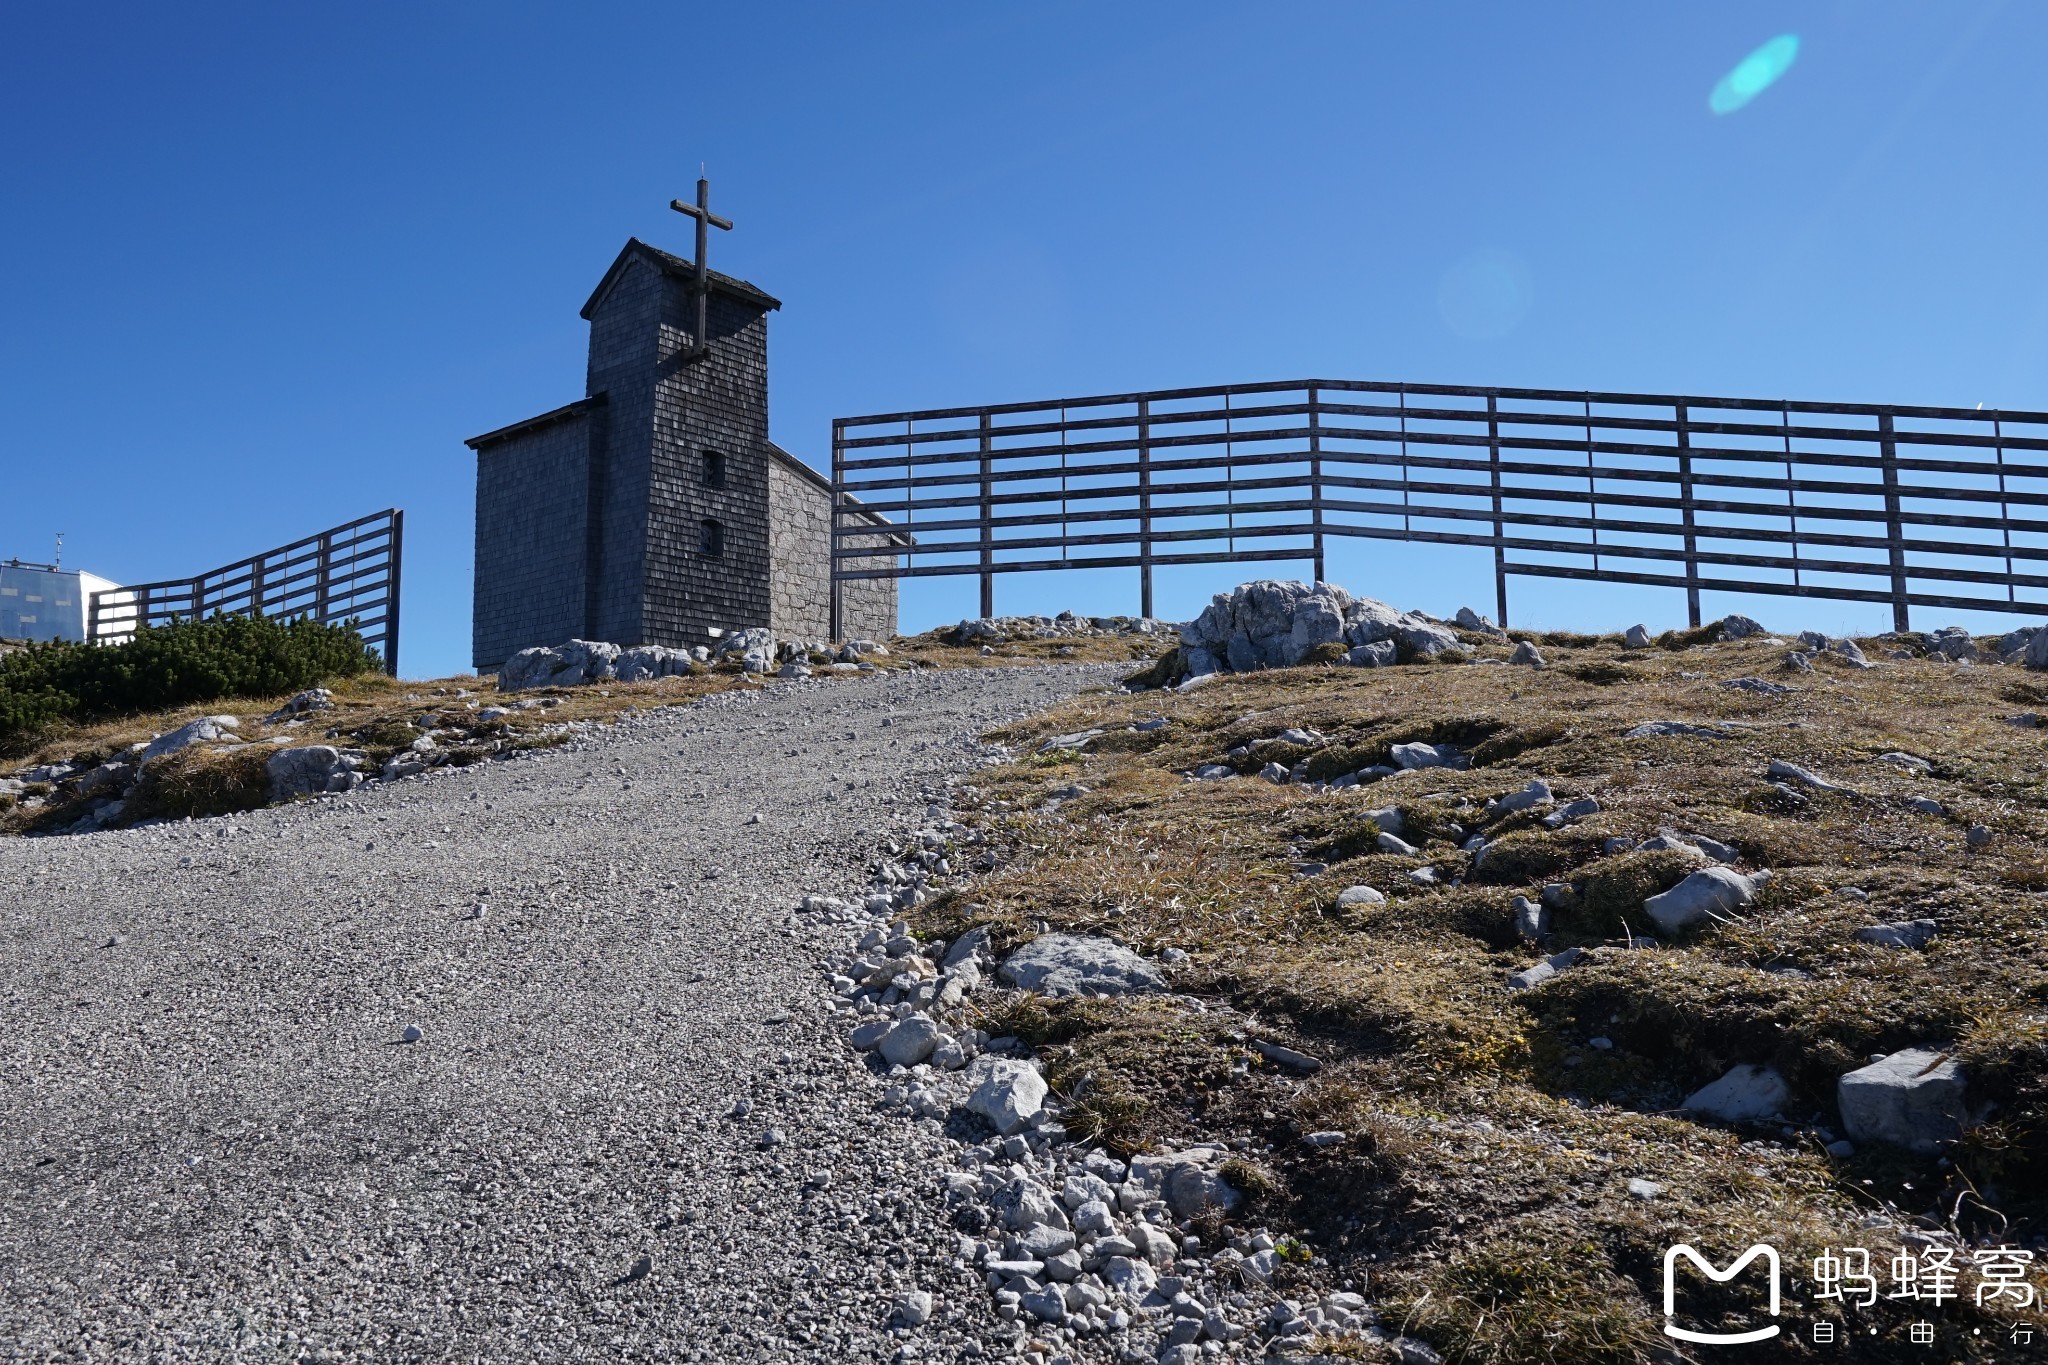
<point>1754,74</point>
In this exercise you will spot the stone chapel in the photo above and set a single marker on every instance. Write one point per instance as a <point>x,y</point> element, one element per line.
<point>655,509</point>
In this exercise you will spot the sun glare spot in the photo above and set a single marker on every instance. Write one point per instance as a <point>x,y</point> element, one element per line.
<point>1754,74</point>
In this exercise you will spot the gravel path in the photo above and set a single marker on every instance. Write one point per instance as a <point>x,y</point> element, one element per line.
<point>215,1146</point>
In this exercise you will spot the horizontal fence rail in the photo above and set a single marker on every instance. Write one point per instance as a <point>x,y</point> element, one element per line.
<point>348,573</point>
<point>1914,506</point>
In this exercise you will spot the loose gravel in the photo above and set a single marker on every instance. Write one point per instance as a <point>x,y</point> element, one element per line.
<point>524,1061</point>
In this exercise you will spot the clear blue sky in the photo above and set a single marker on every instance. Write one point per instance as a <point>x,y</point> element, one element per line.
<point>265,266</point>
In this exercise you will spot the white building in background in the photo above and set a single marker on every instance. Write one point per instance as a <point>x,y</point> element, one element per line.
<point>43,602</point>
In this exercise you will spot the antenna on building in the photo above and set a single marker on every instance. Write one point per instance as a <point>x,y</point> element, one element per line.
<point>58,561</point>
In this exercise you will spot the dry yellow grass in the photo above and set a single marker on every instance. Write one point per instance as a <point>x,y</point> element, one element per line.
<point>1484,1189</point>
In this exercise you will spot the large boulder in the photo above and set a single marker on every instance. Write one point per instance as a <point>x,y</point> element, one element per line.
<point>1911,1099</point>
<point>1076,964</point>
<point>565,665</point>
<point>310,769</point>
<point>1273,624</point>
<point>643,662</point>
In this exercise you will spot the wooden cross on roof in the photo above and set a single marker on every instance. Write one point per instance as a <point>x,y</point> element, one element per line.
<point>706,220</point>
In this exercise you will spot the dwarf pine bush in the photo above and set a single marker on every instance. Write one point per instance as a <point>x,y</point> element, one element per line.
<point>47,685</point>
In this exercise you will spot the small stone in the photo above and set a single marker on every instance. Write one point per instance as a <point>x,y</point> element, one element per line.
<point>1417,755</point>
<point>1571,813</point>
<point>1413,1352</point>
<point>1916,933</point>
<point>1638,637</point>
<point>1285,1056</point>
<point>1746,1093</point>
<point>1532,920</point>
<point>1530,977</point>
<point>868,1036</point>
<point>1327,1138</point>
<point>1658,729</point>
<point>910,1041</point>
<point>1537,793</point>
<point>1639,1188</point>
<point>1527,654</point>
<point>1008,1093</point>
<point>1841,1149</point>
<point>1979,836</point>
<point>1358,895</point>
<point>1710,893</point>
<point>914,1309</point>
<point>412,1034</point>
<point>1394,843</point>
<point>1792,772</point>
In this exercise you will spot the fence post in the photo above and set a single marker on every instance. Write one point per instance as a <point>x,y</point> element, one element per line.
<point>1500,549</point>
<point>835,622</point>
<point>256,587</point>
<point>1145,508</point>
<point>1315,471</point>
<point>986,513</point>
<point>1692,567</point>
<point>1894,524</point>
<point>322,594</point>
<point>391,588</point>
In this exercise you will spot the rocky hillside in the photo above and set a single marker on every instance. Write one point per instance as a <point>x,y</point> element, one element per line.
<point>1498,972</point>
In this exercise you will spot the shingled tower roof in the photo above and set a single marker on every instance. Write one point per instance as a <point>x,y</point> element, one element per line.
<point>679,268</point>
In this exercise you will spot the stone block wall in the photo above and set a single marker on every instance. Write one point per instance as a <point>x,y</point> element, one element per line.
<point>867,606</point>
<point>799,547</point>
<point>799,541</point>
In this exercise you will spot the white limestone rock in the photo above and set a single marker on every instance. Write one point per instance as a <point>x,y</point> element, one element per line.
<point>1911,1099</point>
<point>1273,624</point>
<point>1076,964</point>
<point>910,1041</point>
<point>1710,893</point>
<point>1748,1092</point>
<point>1006,1092</point>
<point>205,730</point>
<point>308,770</point>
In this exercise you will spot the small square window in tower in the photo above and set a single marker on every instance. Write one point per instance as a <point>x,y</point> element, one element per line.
<point>714,469</point>
<point>711,538</point>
